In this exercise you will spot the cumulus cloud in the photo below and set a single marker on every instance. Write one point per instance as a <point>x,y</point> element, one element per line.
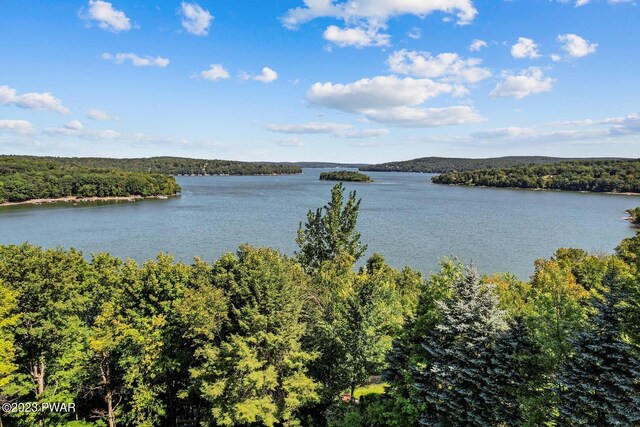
<point>107,18</point>
<point>99,115</point>
<point>376,10</point>
<point>449,66</point>
<point>477,44</point>
<point>267,76</point>
<point>393,100</point>
<point>579,3</point>
<point>357,37</point>
<point>575,46</point>
<point>364,18</point>
<point>136,61</point>
<point>195,19</point>
<point>215,72</point>
<point>18,127</point>
<point>527,82</point>
<point>525,48</point>
<point>74,125</point>
<point>70,131</point>
<point>31,100</point>
<point>339,130</point>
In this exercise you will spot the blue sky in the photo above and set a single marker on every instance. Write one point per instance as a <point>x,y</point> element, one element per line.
<point>330,80</point>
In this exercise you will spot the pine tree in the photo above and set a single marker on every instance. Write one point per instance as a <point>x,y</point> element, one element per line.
<point>332,232</point>
<point>458,383</point>
<point>601,381</point>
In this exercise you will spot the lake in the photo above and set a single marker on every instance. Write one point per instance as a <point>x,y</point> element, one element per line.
<point>403,216</point>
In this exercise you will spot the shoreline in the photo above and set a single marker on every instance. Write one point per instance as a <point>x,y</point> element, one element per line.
<point>541,189</point>
<point>77,199</point>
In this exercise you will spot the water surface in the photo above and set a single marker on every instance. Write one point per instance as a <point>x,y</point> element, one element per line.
<point>403,216</point>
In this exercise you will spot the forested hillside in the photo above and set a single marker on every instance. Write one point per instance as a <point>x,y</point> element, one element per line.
<point>446,164</point>
<point>26,178</point>
<point>598,176</point>
<point>173,165</point>
<point>257,338</point>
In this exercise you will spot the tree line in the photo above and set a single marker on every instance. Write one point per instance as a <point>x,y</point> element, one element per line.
<point>257,338</point>
<point>171,165</point>
<point>23,179</point>
<point>347,176</point>
<point>597,176</point>
<point>635,215</point>
<point>453,164</point>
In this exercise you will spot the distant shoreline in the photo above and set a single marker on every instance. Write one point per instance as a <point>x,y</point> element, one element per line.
<point>76,199</point>
<point>542,189</point>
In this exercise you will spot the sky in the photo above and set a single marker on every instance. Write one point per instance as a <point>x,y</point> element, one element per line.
<point>320,80</point>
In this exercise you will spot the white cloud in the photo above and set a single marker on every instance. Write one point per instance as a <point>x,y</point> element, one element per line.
<point>195,19</point>
<point>268,76</point>
<point>377,10</point>
<point>71,132</point>
<point>575,46</point>
<point>382,92</point>
<point>426,117</point>
<point>393,100</point>
<point>106,16</point>
<point>364,18</point>
<point>414,33</point>
<point>579,3</point>
<point>336,129</point>
<point>136,61</point>
<point>95,114</point>
<point>19,127</point>
<point>525,48</point>
<point>555,57</point>
<point>74,125</point>
<point>477,44</point>
<point>31,100</point>
<point>357,37</point>
<point>529,81</point>
<point>449,66</point>
<point>215,72</point>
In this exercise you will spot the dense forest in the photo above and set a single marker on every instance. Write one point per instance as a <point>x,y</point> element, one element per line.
<point>257,338</point>
<point>27,178</point>
<point>350,176</point>
<point>172,165</point>
<point>596,175</point>
<point>447,164</point>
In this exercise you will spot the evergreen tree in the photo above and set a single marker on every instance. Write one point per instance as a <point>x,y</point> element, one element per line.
<point>601,382</point>
<point>330,231</point>
<point>459,382</point>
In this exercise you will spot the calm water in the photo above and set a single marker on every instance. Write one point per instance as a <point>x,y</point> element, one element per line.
<point>403,216</point>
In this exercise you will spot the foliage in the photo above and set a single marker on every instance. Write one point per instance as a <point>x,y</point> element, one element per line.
<point>601,382</point>
<point>445,164</point>
<point>634,215</point>
<point>330,231</point>
<point>260,339</point>
<point>615,176</point>
<point>163,165</point>
<point>26,178</point>
<point>349,176</point>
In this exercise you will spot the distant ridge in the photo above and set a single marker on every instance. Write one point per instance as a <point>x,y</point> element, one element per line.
<point>452,164</point>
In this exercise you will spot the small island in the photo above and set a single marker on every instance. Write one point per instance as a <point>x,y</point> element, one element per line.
<point>347,176</point>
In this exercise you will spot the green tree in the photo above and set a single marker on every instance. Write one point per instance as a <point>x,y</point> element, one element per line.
<point>258,375</point>
<point>460,385</point>
<point>330,231</point>
<point>602,380</point>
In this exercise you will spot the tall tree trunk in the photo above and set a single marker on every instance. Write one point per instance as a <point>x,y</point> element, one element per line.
<point>105,371</point>
<point>37,374</point>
